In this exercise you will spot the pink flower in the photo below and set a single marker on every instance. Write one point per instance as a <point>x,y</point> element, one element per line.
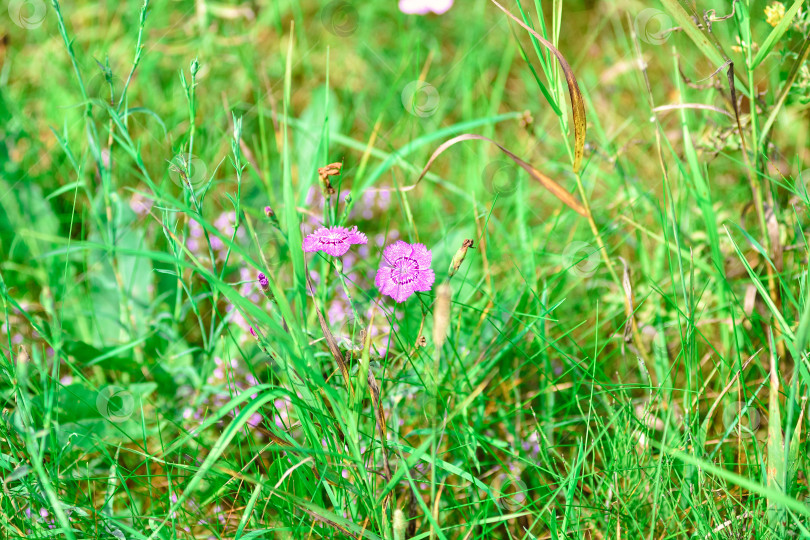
<point>335,240</point>
<point>423,7</point>
<point>140,204</point>
<point>405,270</point>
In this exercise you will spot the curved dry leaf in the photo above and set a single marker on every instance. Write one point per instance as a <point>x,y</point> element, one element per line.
<point>577,103</point>
<point>698,106</point>
<point>556,189</point>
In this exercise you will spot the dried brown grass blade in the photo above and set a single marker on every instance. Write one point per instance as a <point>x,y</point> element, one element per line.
<point>374,391</point>
<point>330,340</point>
<point>376,405</point>
<point>556,189</point>
<point>735,105</point>
<point>327,521</point>
<point>629,300</point>
<point>577,103</point>
<point>699,106</point>
<point>278,440</point>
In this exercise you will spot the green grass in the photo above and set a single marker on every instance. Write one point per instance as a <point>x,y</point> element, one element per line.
<point>630,364</point>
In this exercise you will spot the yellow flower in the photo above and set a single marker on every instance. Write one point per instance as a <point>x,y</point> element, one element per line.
<point>775,13</point>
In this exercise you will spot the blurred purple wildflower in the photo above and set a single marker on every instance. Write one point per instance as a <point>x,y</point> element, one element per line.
<point>228,379</point>
<point>225,223</point>
<point>140,204</point>
<point>423,7</point>
<point>405,270</point>
<point>335,240</point>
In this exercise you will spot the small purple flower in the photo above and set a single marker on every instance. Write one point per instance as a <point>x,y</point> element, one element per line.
<point>264,283</point>
<point>423,7</point>
<point>335,240</point>
<point>405,270</point>
<point>140,204</point>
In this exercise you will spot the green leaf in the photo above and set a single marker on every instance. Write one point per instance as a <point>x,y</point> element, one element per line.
<point>793,453</point>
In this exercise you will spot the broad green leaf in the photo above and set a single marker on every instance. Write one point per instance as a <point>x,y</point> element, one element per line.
<point>776,448</point>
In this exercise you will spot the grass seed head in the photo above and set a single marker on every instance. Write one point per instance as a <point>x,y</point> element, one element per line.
<point>399,524</point>
<point>441,315</point>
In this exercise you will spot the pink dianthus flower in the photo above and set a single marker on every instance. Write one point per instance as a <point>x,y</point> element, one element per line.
<point>335,240</point>
<point>405,269</point>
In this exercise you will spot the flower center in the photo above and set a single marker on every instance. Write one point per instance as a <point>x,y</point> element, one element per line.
<point>334,238</point>
<point>405,270</point>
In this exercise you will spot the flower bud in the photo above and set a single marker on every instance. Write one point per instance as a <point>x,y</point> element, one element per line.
<point>458,258</point>
<point>271,215</point>
<point>264,285</point>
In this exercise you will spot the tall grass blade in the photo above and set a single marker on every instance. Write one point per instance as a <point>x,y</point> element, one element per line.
<point>577,103</point>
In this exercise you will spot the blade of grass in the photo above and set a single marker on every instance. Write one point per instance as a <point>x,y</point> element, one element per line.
<point>577,103</point>
<point>292,223</point>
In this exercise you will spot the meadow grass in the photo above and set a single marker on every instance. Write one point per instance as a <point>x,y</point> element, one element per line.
<point>619,352</point>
